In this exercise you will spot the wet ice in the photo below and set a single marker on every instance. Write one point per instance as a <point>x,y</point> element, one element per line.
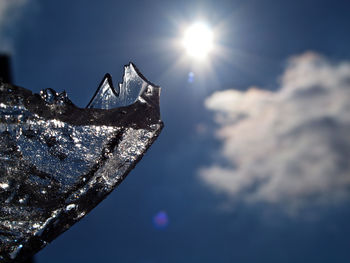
<point>58,161</point>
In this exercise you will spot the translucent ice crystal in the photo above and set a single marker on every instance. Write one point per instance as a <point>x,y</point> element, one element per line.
<point>58,161</point>
<point>133,85</point>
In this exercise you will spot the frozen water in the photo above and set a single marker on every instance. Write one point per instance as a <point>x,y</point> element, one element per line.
<point>106,97</point>
<point>58,161</point>
<point>133,85</point>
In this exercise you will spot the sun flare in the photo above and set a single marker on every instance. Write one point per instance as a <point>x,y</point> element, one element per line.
<point>198,40</point>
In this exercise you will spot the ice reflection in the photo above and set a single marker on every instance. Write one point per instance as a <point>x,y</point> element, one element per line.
<point>58,161</point>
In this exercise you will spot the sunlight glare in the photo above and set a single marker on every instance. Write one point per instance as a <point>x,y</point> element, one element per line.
<point>198,40</point>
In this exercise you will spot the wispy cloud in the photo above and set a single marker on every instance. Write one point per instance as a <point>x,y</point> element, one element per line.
<point>289,147</point>
<point>10,10</point>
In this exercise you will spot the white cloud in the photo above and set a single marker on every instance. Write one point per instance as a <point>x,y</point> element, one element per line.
<point>10,10</point>
<point>289,147</point>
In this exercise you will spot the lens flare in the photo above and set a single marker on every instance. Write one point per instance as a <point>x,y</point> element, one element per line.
<point>160,220</point>
<point>190,77</point>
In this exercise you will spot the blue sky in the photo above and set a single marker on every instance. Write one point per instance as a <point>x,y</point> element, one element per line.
<point>268,187</point>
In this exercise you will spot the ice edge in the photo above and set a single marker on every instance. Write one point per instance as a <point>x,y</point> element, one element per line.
<point>151,90</point>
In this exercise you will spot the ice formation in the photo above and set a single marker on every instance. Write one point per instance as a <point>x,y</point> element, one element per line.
<point>58,161</point>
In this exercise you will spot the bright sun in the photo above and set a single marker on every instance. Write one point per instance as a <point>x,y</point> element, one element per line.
<point>198,41</point>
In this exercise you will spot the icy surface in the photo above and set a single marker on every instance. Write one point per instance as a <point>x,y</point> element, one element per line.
<point>58,161</point>
<point>128,92</point>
